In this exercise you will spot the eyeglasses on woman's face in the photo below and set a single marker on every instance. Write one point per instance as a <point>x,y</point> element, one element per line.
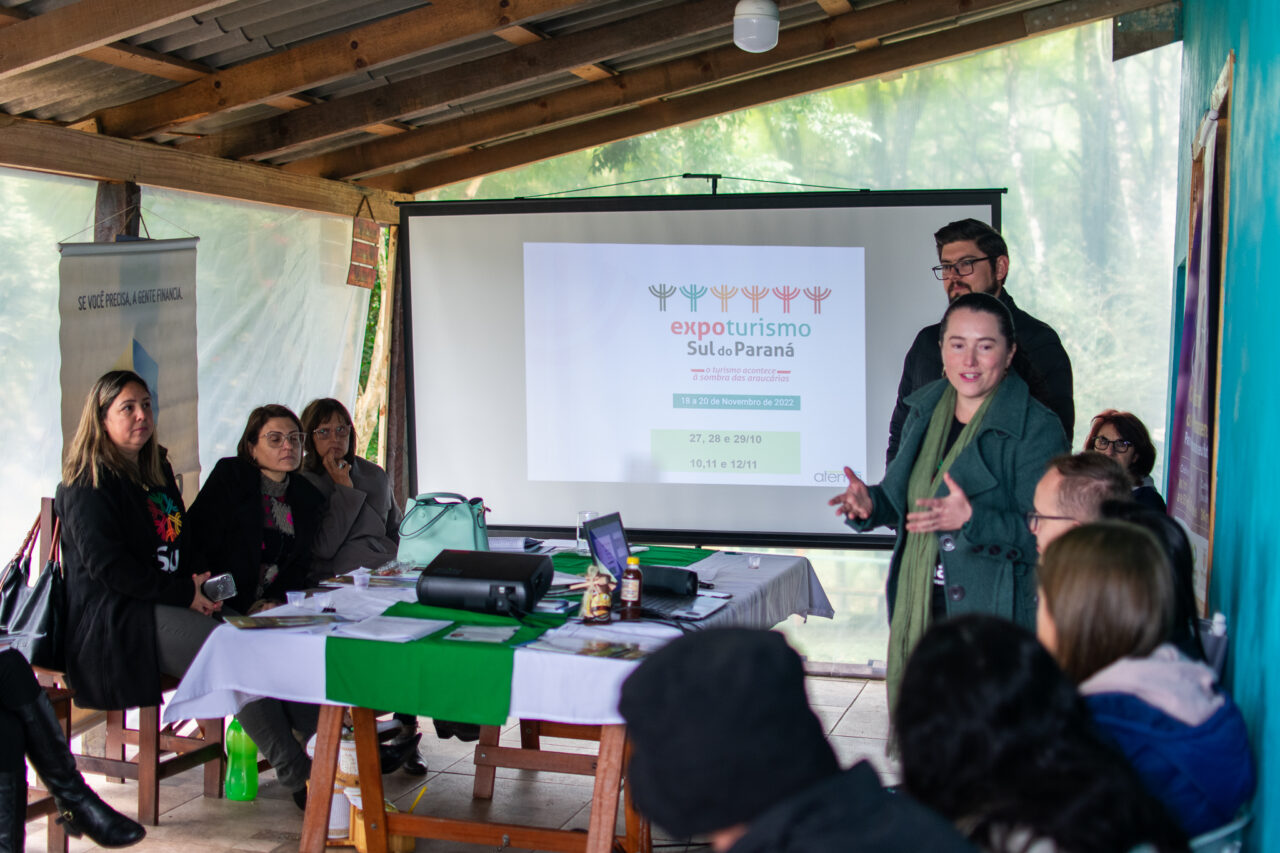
<point>1121,447</point>
<point>325,433</point>
<point>278,439</point>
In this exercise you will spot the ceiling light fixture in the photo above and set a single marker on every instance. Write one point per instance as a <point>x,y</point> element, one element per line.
<point>755,25</point>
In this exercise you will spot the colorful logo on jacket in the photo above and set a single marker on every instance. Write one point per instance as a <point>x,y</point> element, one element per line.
<point>166,515</point>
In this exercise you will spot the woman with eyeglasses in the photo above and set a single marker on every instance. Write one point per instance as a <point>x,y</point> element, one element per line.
<point>257,519</point>
<point>973,448</point>
<point>1125,439</point>
<point>361,526</point>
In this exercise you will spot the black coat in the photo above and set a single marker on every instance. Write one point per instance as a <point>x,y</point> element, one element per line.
<point>1049,379</point>
<point>847,813</point>
<point>121,552</point>
<point>224,529</point>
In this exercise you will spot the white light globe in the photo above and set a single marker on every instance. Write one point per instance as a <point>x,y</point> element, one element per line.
<point>755,25</point>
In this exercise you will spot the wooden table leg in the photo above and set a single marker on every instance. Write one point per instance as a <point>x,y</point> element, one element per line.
<point>324,766</point>
<point>639,835</point>
<point>482,787</point>
<point>604,799</point>
<point>373,804</point>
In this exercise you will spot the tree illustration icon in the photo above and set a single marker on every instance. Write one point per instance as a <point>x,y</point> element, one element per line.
<point>817,294</point>
<point>694,293</point>
<point>724,294</point>
<point>755,294</point>
<point>786,294</point>
<point>663,292</point>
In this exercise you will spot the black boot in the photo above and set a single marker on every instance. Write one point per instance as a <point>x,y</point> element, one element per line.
<point>13,810</point>
<point>392,755</point>
<point>80,810</point>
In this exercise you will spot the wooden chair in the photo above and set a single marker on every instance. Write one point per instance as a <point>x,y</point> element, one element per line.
<point>154,742</point>
<point>39,801</point>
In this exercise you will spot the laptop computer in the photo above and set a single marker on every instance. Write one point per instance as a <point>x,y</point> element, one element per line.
<point>607,539</point>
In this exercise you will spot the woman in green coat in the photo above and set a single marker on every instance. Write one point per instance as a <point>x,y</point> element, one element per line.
<point>974,446</point>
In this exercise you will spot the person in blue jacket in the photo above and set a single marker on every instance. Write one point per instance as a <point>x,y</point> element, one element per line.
<point>1106,613</point>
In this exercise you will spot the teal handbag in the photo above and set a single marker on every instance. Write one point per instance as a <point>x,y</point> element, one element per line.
<point>441,520</point>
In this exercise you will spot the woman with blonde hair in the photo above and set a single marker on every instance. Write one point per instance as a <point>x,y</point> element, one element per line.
<point>1106,614</point>
<point>136,608</point>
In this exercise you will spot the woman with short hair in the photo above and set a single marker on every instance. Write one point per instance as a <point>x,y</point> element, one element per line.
<point>1106,614</point>
<point>1125,439</point>
<point>255,519</point>
<point>992,736</point>
<point>361,524</point>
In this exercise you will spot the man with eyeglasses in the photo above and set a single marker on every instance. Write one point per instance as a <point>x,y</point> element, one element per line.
<point>1072,492</point>
<point>975,259</point>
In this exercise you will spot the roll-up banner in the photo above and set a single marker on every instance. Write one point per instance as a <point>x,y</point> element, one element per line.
<point>132,306</point>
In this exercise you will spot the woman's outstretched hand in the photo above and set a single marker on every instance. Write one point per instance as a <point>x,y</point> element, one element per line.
<point>339,469</point>
<point>949,513</point>
<point>855,501</point>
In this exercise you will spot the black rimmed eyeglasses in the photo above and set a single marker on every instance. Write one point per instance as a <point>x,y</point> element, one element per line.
<point>961,267</point>
<point>1101,444</point>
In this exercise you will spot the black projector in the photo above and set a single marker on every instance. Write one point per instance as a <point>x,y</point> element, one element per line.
<point>485,581</point>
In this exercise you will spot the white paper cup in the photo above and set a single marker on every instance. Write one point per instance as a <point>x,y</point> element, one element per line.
<point>360,579</point>
<point>295,596</point>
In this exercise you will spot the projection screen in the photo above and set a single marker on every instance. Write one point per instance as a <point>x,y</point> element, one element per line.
<point>706,365</point>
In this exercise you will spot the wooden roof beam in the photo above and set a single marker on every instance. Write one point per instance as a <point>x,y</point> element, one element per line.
<point>321,61</point>
<point>46,147</point>
<point>542,59</point>
<point>523,35</point>
<point>79,27</point>
<point>851,68</point>
<point>632,88</point>
<point>124,55</point>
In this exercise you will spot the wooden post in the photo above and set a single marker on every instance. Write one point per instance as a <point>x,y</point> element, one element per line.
<point>117,210</point>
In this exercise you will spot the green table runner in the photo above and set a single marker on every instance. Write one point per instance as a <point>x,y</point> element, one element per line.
<point>660,555</point>
<point>422,677</point>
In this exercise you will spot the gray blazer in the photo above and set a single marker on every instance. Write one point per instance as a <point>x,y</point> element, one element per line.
<point>361,526</point>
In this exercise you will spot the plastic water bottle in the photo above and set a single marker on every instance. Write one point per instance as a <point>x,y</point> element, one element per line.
<point>242,764</point>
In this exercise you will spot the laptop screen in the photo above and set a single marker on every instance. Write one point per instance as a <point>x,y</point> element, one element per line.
<point>608,542</point>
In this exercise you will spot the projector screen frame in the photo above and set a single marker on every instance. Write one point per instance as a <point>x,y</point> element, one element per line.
<point>990,197</point>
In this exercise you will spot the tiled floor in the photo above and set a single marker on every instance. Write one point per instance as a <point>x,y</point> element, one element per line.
<point>853,713</point>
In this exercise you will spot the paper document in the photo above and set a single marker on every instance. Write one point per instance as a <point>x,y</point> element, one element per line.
<point>391,629</point>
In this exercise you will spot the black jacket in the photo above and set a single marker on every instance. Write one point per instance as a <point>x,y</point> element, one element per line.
<point>121,551</point>
<point>1050,380</point>
<point>224,529</point>
<point>850,813</point>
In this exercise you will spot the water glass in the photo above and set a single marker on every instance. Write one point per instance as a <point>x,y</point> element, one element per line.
<point>584,516</point>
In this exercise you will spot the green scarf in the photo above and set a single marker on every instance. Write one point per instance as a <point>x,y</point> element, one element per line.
<point>920,551</point>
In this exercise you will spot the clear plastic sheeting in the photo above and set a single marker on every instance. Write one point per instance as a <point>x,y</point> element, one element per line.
<point>277,322</point>
<point>39,211</point>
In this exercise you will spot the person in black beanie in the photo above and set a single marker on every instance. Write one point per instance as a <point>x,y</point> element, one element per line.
<point>725,745</point>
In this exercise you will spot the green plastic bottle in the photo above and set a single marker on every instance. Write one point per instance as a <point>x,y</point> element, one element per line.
<point>242,764</point>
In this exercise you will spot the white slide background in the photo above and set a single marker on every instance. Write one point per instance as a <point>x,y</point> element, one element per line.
<point>681,376</point>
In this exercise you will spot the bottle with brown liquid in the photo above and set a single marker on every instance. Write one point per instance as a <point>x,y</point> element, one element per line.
<point>629,591</point>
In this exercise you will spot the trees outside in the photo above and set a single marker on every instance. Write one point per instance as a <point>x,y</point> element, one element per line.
<point>1085,146</point>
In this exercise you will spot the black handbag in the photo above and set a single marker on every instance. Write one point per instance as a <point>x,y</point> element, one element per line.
<point>13,586</point>
<point>36,615</point>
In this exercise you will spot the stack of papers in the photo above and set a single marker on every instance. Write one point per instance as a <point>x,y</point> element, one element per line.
<point>391,629</point>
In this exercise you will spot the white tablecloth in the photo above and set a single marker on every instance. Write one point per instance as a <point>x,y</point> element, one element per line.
<point>236,666</point>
